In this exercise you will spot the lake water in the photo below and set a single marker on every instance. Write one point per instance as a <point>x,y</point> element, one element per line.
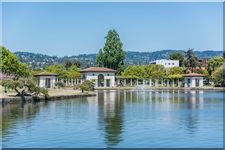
<point>132,118</point>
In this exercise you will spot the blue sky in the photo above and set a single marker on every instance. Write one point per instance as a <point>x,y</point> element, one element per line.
<point>78,28</point>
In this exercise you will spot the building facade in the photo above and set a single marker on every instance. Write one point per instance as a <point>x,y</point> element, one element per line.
<point>102,77</point>
<point>193,80</point>
<point>166,63</point>
<point>46,79</point>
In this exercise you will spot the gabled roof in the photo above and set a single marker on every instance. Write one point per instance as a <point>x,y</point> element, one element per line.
<point>194,75</point>
<point>45,73</point>
<point>97,69</point>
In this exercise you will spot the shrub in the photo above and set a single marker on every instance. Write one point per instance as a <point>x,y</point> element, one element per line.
<point>87,86</point>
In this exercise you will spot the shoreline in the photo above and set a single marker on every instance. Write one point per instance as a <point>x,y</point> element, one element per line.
<point>160,88</point>
<point>63,94</point>
<point>30,99</point>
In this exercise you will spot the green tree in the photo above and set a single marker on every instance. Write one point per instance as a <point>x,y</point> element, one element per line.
<point>20,73</point>
<point>112,55</point>
<point>134,71</point>
<point>191,60</point>
<point>87,85</point>
<point>214,63</point>
<point>177,56</point>
<point>23,86</point>
<point>218,77</point>
<point>154,71</point>
<point>11,65</point>
<point>73,72</point>
<point>59,69</point>
<point>175,72</point>
<point>70,63</point>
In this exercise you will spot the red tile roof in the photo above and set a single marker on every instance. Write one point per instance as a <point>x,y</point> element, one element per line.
<point>45,74</point>
<point>97,69</point>
<point>194,75</point>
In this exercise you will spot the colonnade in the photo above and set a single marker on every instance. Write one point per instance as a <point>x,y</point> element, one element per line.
<point>149,82</point>
<point>70,81</point>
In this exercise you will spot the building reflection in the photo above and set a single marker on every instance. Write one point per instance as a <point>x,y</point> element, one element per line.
<point>193,102</point>
<point>110,112</point>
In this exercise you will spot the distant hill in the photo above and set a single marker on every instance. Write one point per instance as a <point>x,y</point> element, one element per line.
<point>35,60</point>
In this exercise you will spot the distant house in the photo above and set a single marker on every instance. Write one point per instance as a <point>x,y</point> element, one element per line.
<point>46,79</point>
<point>193,80</point>
<point>102,77</point>
<point>166,63</point>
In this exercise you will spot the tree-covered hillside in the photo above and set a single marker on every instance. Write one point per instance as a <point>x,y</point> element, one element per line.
<point>35,60</point>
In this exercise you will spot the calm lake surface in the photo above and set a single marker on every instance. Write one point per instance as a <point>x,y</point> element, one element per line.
<point>132,118</point>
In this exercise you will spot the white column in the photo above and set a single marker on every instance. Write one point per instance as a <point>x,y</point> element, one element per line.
<point>185,82</point>
<point>131,83</point>
<point>137,82</point>
<point>66,82</point>
<point>173,82</point>
<point>104,82</point>
<point>156,82</point>
<point>125,82</point>
<point>193,82</point>
<point>201,82</point>
<point>150,82</point>
<point>96,83</point>
<point>143,82</point>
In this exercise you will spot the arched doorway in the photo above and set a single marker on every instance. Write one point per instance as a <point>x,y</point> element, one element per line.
<point>100,80</point>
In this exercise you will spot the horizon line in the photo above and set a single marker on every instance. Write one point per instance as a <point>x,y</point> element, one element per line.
<point>124,50</point>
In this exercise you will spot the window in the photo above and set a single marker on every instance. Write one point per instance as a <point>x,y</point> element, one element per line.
<point>93,74</point>
<point>107,74</point>
<point>172,63</point>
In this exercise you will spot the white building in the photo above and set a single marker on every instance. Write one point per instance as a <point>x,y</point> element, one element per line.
<point>46,79</point>
<point>166,63</point>
<point>102,77</point>
<point>193,80</point>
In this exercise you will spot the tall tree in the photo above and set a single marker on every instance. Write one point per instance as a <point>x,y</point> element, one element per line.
<point>214,63</point>
<point>177,56</point>
<point>112,55</point>
<point>191,60</point>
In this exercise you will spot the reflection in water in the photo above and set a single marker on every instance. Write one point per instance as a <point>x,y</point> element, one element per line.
<point>110,116</point>
<point>167,118</point>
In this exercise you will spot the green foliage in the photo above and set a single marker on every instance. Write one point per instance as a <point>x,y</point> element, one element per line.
<point>36,71</point>
<point>177,56</point>
<point>59,69</point>
<point>147,71</point>
<point>201,71</point>
<point>23,86</point>
<point>11,65</point>
<point>175,70</point>
<point>191,60</point>
<point>87,85</point>
<point>154,71</point>
<point>134,71</point>
<point>112,56</point>
<point>214,63</point>
<point>59,84</point>
<point>44,91</point>
<point>218,77</point>
<point>73,72</point>
<point>70,63</point>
